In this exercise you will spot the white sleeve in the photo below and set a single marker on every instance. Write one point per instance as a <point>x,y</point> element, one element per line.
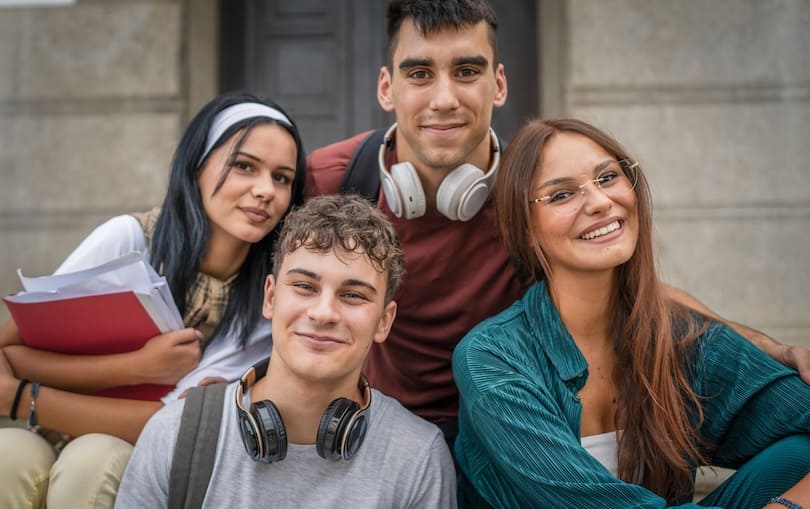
<point>223,357</point>
<point>116,237</point>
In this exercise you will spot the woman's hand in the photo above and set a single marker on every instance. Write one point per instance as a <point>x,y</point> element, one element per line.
<point>167,358</point>
<point>799,493</point>
<point>9,335</point>
<point>798,358</point>
<point>8,385</point>
<point>209,380</point>
<point>793,356</point>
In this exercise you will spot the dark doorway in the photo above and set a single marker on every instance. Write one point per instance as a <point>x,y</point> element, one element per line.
<point>320,60</point>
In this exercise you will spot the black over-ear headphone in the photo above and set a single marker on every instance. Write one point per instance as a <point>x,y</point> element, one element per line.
<point>340,432</point>
<point>460,196</point>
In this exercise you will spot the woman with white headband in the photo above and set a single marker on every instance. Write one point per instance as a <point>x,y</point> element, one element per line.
<point>237,171</point>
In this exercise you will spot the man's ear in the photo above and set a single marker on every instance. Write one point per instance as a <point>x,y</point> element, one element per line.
<point>269,297</point>
<point>501,89</point>
<point>384,92</point>
<point>386,321</point>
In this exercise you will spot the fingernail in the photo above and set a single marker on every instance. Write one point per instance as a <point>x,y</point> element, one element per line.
<point>199,334</point>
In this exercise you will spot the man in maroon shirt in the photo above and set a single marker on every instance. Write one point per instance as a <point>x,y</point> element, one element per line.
<point>442,81</point>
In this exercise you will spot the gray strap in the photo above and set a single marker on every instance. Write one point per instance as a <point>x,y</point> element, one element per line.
<point>196,446</point>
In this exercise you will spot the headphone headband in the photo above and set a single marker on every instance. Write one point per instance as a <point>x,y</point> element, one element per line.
<point>460,196</point>
<point>340,432</point>
<point>365,390</point>
<point>259,370</point>
<point>253,374</point>
<point>388,140</point>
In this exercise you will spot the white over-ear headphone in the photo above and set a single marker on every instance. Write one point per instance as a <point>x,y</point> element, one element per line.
<point>460,196</point>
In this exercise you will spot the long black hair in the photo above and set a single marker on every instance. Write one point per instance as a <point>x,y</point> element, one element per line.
<point>182,230</point>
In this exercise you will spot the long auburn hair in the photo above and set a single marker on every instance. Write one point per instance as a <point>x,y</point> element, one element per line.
<point>658,409</point>
<point>182,229</point>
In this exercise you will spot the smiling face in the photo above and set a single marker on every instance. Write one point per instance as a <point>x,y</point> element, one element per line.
<point>256,192</point>
<point>600,235</point>
<point>442,87</point>
<point>327,310</point>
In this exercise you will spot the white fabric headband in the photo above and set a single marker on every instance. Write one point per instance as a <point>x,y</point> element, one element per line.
<point>236,113</point>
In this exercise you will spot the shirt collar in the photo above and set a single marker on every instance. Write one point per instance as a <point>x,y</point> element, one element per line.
<point>547,326</point>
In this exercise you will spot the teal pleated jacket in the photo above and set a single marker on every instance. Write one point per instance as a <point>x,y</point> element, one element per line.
<point>519,373</point>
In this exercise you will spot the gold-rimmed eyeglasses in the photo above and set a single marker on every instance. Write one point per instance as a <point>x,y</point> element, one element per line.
<point>614,178</point>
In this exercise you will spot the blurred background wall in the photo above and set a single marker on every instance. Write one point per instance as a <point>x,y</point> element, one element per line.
<point>712,96</point>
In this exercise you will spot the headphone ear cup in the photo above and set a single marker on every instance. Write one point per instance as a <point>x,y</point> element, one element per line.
<point>355,433</point>
<point>271,431</point>
<point>391,193</point>
<point>454,191</point>
<point>409,190</point>
<point>332,428</point>
<point>251,435</point>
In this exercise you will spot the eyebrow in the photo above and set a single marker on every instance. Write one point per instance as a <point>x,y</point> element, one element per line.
<point>408,63</point>
<point>477,60</point>
<point>360,282</point>
<point>564,180</point>
<point>345,282</point>
<point>260,160</point>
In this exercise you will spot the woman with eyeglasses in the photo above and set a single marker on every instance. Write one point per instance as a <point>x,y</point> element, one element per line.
<point>596,389</point>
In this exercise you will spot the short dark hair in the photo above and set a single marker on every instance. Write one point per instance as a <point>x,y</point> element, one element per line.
<point>349,222</point>
<point>431,16</point>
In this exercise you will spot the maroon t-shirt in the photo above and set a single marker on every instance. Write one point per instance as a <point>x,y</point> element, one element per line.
<point>456,274</point>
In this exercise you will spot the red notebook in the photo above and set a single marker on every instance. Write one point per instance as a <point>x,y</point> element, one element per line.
<point>90,325</point>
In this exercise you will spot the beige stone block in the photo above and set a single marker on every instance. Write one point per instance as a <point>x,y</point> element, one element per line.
<point>752,269</point>
<point>718,155</point>
<point>722,42</point>
<point>9,40</point>
<point>709,478</point>
<point>118,49</point>
<point>55,164</point>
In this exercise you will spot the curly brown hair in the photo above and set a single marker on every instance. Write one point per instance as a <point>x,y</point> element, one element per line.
<point>348,222</point>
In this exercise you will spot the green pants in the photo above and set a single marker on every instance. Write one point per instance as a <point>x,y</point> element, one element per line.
<point>768,474</point>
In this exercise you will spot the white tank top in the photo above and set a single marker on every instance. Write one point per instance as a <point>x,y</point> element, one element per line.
<point>605,448</point>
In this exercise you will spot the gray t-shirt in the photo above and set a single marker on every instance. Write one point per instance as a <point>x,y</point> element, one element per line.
<point>403,463</point>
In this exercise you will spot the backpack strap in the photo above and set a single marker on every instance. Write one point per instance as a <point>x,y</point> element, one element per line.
<point>362,175</point>
<point>196,446</point>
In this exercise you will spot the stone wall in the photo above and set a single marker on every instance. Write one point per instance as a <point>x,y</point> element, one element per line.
<point>93,97</point>
<point>713,98</point>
